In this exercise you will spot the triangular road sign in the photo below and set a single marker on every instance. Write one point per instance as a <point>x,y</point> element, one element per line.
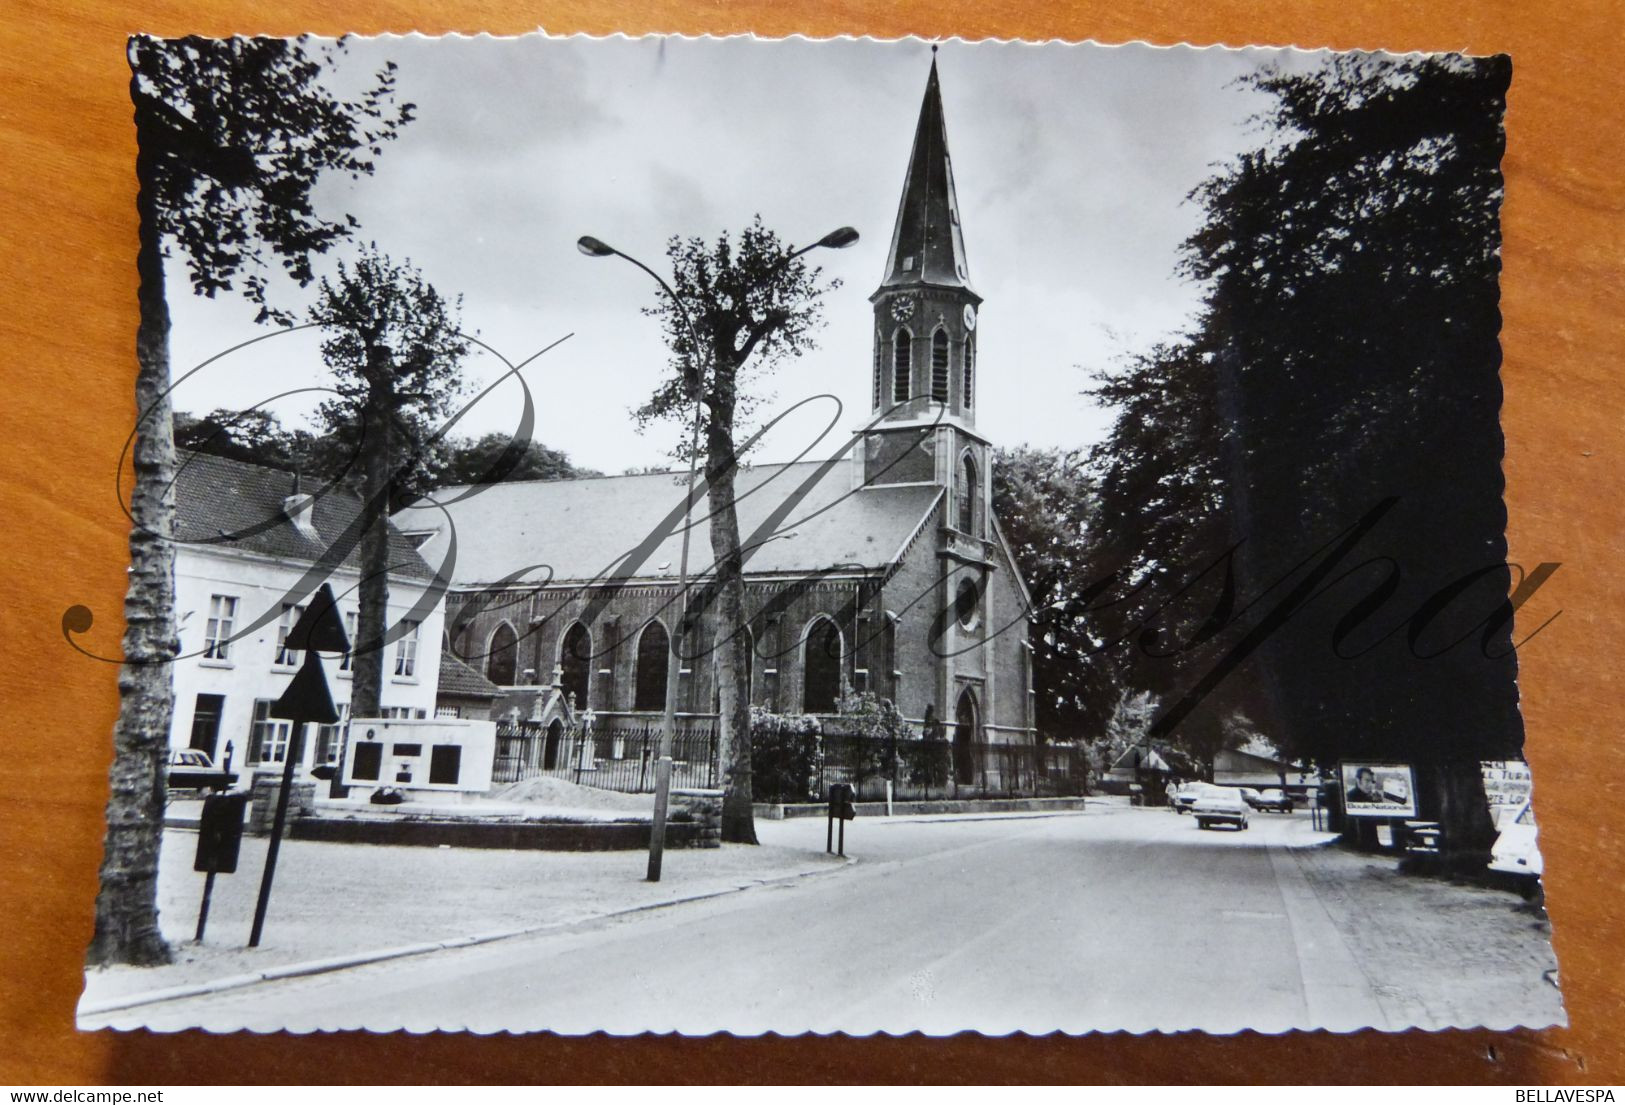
<point>320,628</point>
<point>307,697</point>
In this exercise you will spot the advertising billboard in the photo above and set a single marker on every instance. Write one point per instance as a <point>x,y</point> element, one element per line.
<point>1378,789</point>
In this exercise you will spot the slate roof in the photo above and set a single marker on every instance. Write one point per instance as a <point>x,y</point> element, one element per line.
<point>927,244</point>
<point>584,528</point>
<point>457,678</point>
<point>232,504</point>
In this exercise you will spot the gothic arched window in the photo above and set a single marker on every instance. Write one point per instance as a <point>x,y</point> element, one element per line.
<point>575,657</point>
<point>502,656</point>
<point>649,677</point>
<point>939,366</point>
<point>821,668</point>
<point>967,499</point>
<point>902,353</point>
<point>967,400</point>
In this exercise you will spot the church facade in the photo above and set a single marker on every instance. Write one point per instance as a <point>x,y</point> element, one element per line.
<point>881,569</point>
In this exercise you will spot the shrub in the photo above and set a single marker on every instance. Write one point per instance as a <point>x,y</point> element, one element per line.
<point>785,756</point>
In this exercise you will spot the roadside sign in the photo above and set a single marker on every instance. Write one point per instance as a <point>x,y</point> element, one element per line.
<point>220,833</point>
<point>1377,789</point>
<point>219,838</point>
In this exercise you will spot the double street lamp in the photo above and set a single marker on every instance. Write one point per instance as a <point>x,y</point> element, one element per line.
<point>593,247</point>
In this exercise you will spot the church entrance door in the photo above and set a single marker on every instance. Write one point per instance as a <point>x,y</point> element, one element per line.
<point>967,734</point>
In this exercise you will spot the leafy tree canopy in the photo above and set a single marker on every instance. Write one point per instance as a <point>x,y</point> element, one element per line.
<point>1346,353</point>
<point>1046,501</point>
<point>752,305</point>
<point>259,437</point>
<point>234,134</point>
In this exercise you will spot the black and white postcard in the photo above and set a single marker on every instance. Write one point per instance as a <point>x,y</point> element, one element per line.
<point>728,535</point>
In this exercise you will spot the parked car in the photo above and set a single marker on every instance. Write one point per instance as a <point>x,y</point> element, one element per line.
<point>1220,806</point>
<point>1516,851</point>
<point>1267,801</point>
<point>192,769</point>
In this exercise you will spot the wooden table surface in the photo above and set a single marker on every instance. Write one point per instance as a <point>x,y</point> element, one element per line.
<point>67,325</point>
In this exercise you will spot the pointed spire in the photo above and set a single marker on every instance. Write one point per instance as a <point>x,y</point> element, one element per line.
<point>927,246</point>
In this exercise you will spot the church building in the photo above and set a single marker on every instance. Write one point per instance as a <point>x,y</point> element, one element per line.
<point>886,573</point>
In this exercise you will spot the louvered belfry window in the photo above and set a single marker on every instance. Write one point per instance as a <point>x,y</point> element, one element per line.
<point>968,399</point>
<point>939,366</point>
<point>902,351</point>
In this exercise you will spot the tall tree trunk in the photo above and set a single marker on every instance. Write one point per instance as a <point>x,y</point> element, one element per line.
<point>127,903</point>
<point>1453,792</point>
<point>373,619</point>
<point>733,714</point>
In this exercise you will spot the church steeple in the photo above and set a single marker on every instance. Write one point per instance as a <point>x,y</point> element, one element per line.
<point>927,245</point>
<point>925,367</point>
<point>925,307</point>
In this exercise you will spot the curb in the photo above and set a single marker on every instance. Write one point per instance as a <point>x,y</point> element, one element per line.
<point>361,959</point>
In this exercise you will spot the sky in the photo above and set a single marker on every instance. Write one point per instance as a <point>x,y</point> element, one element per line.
<point>1072,164</point>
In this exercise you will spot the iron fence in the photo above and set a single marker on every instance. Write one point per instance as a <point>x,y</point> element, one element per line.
<point>620,753</point>
<point>617,755</point>
<point>947,768</point>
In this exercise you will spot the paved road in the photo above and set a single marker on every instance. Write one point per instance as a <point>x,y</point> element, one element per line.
<point>1114,919</point>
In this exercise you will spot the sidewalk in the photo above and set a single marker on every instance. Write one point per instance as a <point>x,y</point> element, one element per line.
<point>1432,951</point>
<point>335,899</point>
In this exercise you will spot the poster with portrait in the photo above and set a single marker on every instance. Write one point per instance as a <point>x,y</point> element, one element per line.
<point>1378,790</point>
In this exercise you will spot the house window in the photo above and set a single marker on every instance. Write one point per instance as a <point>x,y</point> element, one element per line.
<point>268,737</point>
<point>653,660</point>
<point>821,668</point>
<point>448,711</point>
<point>287,657</point>
<point>351,620</point>
<point>217,635</point>
<point>406,652</point>
<point>939,367</point>
<point>970,373</point>
<point>327,737</point>
<point>902,351</point>
<point>403,713</point>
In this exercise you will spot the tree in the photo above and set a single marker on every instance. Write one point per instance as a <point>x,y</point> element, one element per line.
<point>394,346</point>
<point>1343,368</point>
<point>1154,587</point>
<point>232,135</point>
<point>497,457</point>
<point>1353,322</point>
<point>1045,500</point>
<point>255,436</point>
<point>752,303</point>
<point>1129,725</point>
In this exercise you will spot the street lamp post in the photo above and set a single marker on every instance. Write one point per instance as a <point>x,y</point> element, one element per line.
<point>593,247</point>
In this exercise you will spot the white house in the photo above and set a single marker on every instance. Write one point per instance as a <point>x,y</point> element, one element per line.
<point>248,539</point>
